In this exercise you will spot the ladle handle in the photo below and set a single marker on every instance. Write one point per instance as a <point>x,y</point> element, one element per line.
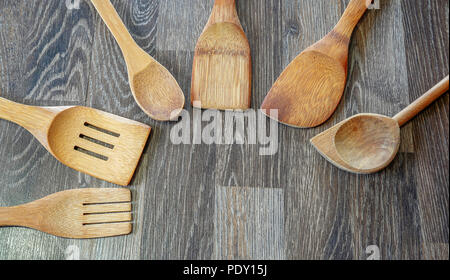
<point>424,101</point>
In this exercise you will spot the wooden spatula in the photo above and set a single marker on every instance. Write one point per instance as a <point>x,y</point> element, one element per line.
<point>221,75</point>
<point>310,88</point>
<point>81,213</point>
<point>367,143</point>
<point>155,90</point>
<point>88,140</point>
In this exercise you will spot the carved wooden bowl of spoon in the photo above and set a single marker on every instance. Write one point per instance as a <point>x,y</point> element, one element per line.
<point>154,88</point>
<point>367,143</point>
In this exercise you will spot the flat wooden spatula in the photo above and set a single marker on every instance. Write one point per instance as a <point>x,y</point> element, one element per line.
<point>221,74</point>
<point>88,140</point>
<point>308,91</point>
<point>367,143</point>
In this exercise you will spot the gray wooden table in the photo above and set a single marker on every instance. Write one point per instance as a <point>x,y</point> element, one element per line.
<point>228,201</point>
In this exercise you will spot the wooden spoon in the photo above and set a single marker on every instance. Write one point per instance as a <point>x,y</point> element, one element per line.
<point>155,90</point>
<point>91,141</point>
<point>221,75</point>
<point>367,143</point>
<point>310,88</point>
<point>81,213</point>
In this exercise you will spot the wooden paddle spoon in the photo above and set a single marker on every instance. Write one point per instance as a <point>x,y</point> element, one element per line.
<point>91,141</point>
<point>81,213</point>
<point>155,90</point>
<point>308,91</point>
<point>221,75</point>
<point>367,143</point>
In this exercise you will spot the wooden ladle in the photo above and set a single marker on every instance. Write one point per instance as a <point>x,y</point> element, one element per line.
<point>308,91</point>
<point>367,143</point>
<point>155,90</point>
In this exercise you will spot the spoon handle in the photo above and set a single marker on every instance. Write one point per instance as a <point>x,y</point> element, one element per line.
<point>424,101</point>
<point>114,23</point>
<point>353,13</point>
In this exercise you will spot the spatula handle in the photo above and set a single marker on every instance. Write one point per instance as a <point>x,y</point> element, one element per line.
<point>424,101</point>
<point>30,117</point>
<point>353,13</point>
<point>224,11</point>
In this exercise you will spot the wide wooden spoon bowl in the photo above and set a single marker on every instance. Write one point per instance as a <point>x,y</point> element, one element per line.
<point>308,91</point>
<point>310,88</point>
<point>368,142</point>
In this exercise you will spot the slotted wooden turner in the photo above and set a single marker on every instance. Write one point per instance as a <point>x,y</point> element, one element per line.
<point>81,213</point>
<point>88,140</point>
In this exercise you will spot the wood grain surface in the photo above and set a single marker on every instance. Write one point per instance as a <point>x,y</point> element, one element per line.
<point>198,201</point>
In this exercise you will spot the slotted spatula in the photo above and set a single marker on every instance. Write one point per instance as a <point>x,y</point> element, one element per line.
<point>88,140</point>
<point>222,71</point>
<point>81,213</point>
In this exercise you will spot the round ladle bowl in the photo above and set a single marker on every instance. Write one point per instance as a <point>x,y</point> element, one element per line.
<point>368,142</point>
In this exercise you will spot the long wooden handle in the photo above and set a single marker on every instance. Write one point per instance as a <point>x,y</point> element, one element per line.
<point>16,216</point>
<point>224,11</point>
<point>353,13</point>
<point>424,101</point>
<point>36,120</point>
<point>112,20</point>
<point>29,117</point>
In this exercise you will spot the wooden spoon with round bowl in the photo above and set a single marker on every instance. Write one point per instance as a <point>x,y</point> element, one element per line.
<point>155,90</point>
<point>367,143</point>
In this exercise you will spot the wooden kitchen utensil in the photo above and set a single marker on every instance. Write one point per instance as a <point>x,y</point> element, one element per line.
<point>81,213</point>
<point>222,72</point>
<point>155,90</point>
<point>91,141</point>
<point>367,143</point>
<point>310,88</point>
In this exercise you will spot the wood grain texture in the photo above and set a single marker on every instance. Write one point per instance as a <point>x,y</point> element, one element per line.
<point>249,224</point>
<point>310,88</point>
<point>153,87</point>
<point>97,143</point>
<point>396,53</point>
<point>77,214</point>
<point>222,70</point>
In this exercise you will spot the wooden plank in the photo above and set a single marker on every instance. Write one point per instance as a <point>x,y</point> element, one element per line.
<point>45,51</point>
<point>427,35</point>
<point>319,212</point>
<point>179,187</point>
<point>248,223</point>
<point>378,47</point>
<point>182,22</point>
